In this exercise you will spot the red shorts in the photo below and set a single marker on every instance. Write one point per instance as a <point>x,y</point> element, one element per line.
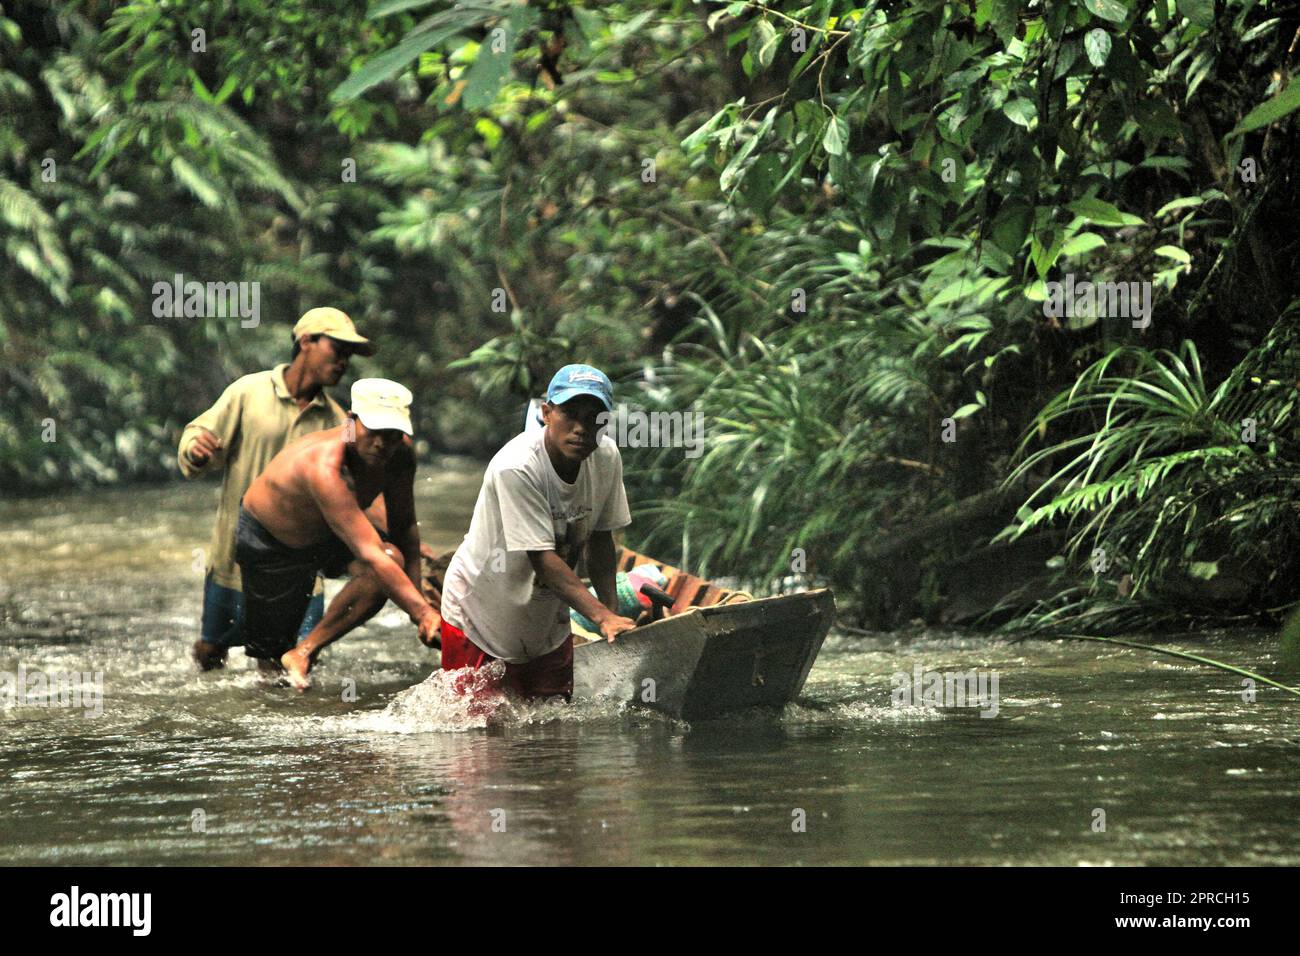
<point>550,675</point>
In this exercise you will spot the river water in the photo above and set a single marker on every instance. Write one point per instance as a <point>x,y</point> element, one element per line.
<point>1096,755</point>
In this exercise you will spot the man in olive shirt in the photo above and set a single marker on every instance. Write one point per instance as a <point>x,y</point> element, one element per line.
<point>252,420</point>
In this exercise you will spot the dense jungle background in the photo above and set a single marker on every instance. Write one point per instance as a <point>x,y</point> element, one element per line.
<point>837,230</point>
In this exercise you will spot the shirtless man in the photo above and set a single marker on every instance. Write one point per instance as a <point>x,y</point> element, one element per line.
<point>313,510</point>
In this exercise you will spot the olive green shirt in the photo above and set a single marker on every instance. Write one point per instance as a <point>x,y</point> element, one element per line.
<point>254,418</point>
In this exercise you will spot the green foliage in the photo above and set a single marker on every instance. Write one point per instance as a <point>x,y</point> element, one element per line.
<point>828,225</point>
<point>1171,479</point>
<point>121,167</point>
<point>947,169</point>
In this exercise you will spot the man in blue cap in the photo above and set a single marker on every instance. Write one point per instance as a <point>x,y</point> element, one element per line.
<point>547,495</point>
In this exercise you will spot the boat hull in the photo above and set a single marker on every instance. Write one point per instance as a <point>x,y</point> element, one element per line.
<point>711,660</point>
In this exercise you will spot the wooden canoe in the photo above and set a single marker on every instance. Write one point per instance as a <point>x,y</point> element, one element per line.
<point>715,650</point>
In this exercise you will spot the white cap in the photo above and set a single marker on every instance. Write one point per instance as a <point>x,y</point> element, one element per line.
<point>381,403</point>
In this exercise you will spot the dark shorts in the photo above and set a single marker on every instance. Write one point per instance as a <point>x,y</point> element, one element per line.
<point>278,583</point>
<point>550,675</point>
<point>223,614</point>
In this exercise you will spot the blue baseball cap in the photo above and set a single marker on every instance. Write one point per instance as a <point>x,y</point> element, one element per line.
<point>574,380</point>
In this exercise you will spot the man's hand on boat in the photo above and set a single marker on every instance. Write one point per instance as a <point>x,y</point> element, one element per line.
<point>613,624</point>
<point>430,624</point>
<point>554,572</point>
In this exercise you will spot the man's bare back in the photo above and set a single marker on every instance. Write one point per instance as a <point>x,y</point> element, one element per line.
<point>282,497</point>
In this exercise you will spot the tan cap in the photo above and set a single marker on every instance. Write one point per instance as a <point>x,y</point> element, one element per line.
<point>381,403</point>
<point>335,324</point>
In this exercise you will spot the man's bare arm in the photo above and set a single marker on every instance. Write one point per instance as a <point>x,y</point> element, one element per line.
<point>399,498</point>
<point>554,573</point>
<point>403,528</point>
<point>338,506</point>
<point>600,564</point>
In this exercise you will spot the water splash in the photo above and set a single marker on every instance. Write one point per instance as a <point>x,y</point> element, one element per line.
<point>468,699</point>
<point>464,699</point>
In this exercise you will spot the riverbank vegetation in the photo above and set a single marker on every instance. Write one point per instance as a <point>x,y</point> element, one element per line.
<point>852,236</point>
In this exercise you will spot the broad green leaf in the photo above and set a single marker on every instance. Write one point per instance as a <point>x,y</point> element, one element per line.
<point>959,289</point>
<point>1044,250</point>
<point>1178,164</point>
<point>1083,242</point>
<point>490,68</point>
<point>836,137</point>
<point>385,7</point>
<point>195,182</point>
<point>1011,225</point>
<point>1289,641</point>
<point>966,411</point>
<point>1020,111</point>
<point>1254,33</point>
<point>490,131</point>
<point>1182,202</point>
<point>1173,252</point>
<point>732,170</point>
<point>1097,45</point>
<point>760,183</point>
<point>1198,71</point>
<point>969,342</point>
<point>1003,18</point>
<point>619,30</point>
<point>1271,111</point>
<point>1102,213</point>
<point>591,23</point>
<point>763,39</point>
<point>199,90</point>
<point>697,138</point>
<point>389,64</point>
<point>1111,10</point>
<point>1199,12</point>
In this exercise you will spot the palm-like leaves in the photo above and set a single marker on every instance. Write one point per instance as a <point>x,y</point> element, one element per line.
<point>1169,476</point>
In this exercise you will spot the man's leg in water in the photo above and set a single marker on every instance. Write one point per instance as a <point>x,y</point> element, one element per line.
<point>550,675</point>
<point>209,657</point>
<point>315,611</point>
<point>312,616</point>
<point>222,610</point>
<point>359,601</point>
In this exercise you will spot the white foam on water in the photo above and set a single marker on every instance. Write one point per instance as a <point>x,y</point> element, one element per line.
<point>468,699</point>
<point>857,712</point>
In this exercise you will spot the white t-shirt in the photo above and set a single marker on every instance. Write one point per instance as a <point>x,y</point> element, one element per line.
<point>490,591</point>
